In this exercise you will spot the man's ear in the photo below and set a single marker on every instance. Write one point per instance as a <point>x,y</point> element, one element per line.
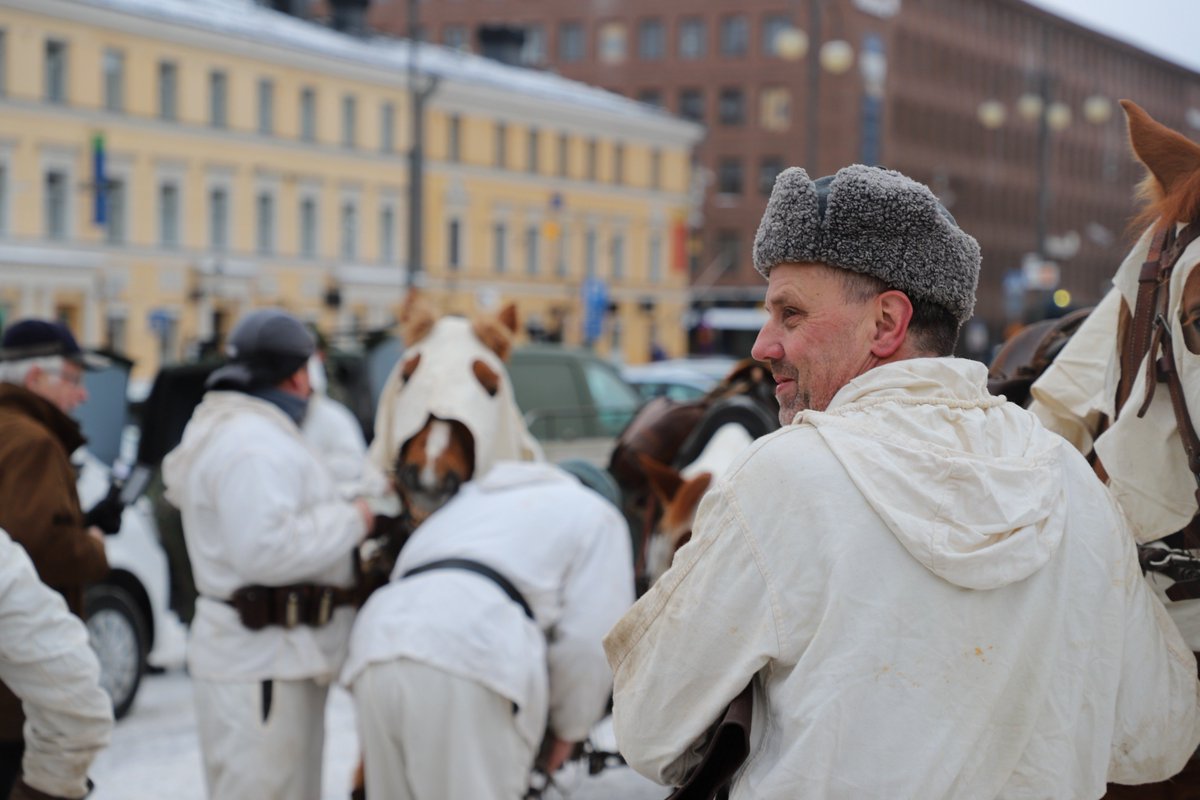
<point>893,313</point>
<point>33,377</point>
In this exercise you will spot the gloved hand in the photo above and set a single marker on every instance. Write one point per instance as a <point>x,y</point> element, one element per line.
<point>106,515</point>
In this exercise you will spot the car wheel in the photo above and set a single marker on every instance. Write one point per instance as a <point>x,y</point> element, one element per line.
<point>117,630</point>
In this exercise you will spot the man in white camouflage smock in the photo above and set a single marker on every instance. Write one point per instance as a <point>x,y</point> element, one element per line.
<point>930,595</point>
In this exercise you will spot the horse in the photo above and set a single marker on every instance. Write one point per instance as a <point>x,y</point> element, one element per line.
<point>1124,386</point>
<point>670,453</point>
<point>446,414</point>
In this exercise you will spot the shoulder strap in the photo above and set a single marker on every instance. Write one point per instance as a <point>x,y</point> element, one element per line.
<point>479,569</point>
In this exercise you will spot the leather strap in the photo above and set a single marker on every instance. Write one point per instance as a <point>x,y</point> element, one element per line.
<point>1137,340</point>
<point>479,569</point>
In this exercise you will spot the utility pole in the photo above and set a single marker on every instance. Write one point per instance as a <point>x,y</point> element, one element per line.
<point>814,87</point>
<point>1044,145</point>
<point>420,90</point>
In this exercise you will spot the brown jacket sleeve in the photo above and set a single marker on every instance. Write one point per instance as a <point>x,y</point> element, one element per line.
<point>39,508</point>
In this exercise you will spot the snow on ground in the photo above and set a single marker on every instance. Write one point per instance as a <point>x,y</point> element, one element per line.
<point>155,753</point>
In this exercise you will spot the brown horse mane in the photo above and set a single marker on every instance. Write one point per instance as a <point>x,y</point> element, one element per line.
<point>1171,188</point>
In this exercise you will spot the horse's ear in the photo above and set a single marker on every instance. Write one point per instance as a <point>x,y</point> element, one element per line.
<point>508,317</point>
<point>496,332</point>
<point>664,480</point>
<point>1170,156</point>
<point>416,318</point>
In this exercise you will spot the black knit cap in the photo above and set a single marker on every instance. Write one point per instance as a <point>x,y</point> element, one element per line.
<point>265,347</point>
<point>873,221</point>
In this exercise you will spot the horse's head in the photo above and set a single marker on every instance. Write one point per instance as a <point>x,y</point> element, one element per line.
<point>679,498</point>
<point>447,412</point>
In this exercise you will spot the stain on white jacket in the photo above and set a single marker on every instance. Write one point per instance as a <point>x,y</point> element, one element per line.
<point>934,597</point>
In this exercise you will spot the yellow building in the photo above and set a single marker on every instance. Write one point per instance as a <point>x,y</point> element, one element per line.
<point>254,159</point>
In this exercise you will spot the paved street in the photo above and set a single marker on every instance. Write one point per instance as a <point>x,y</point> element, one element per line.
<point>155,754</point>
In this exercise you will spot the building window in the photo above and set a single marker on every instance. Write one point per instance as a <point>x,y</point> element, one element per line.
<point>729,176</point>
<point>168,91</point>
<point>618,163</point>
<point>168,215</point>
<point>616,249</point>
<point>266,106</point>
<point>775,109</point>
<point>349,231</point>
<point>533,51</point>
<point>308,227</point>
<point>56,205</point>
<point>691,104</point>
<point>570,42</point>
<point>265,238</point>
<point>731,107</point>
<point>611,46</point>
<point>651,40</point>
<point>564,249</point>
<point>349,121</point>
<point>533,247</point>
<point>589,253</point>
<point>728,249</point>
<point>308,115</point>
<point>692,39</point>
<point>387,128</point>
<point>656,169</point>
<point>455,144</point>
<point>655,258</point>
<point>114,211</point>
<point>218,99</point>
<point>564,155</point>
<point>735,35</point>
<point>455,37</point>
<point>387,235</point>
<point>500,144</point>
<point>56,71</point>
<point>218,219</point>
<point>768,170</point>
<point>650,97</point>
<point>593,158</point>
<point>3,199</point>
<point>531,151</point>
<point>114,80</point>
<point>773,26</point>
<point>454,244</point>
<point>500,247</point>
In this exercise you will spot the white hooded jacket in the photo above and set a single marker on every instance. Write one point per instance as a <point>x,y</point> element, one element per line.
<point>934,597</point>
<point>259,507</point>
<point>46,660</point>
<point>567,552</point>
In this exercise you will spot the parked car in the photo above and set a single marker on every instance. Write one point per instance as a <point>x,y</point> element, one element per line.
<point>129,621</point>
<point>679,378</point>
<point>575,403</point>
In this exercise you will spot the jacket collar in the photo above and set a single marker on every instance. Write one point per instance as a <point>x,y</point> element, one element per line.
<point>958,381</point>
<point>24,402</point>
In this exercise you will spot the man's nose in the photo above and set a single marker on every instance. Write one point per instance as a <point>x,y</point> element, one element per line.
<point>766,345</point>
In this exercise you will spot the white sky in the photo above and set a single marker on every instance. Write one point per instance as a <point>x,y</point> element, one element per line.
<point>1168,28</point>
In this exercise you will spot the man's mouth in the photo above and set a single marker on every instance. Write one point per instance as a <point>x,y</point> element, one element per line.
<point>782,384</point>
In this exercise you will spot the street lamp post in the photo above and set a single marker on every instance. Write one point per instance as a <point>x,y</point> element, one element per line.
<point>419,92</point>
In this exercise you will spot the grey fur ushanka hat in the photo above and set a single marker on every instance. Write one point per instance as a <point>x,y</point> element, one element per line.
<point>874,221</point>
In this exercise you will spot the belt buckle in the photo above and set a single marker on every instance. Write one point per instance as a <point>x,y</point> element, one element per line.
<point>291,611</point>
<point>325,607</point>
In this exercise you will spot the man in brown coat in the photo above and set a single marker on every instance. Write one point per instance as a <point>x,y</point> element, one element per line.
<point>41,368</point>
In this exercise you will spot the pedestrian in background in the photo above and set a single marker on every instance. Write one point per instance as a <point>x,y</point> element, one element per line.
<point>46,659</point>
<point>271,543</point>
<point>929,594</point>
<point>41,374</point>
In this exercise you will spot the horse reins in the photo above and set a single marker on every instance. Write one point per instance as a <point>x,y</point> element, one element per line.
<point>1150,338</point>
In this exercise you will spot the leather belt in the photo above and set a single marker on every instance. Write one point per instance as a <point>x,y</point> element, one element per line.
<point>310,604</point>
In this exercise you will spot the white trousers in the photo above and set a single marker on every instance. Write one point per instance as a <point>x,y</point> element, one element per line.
<point>252,755</point>
<point>429,735</point>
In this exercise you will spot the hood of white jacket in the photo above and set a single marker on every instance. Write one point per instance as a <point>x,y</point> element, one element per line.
<point>970,485</point>
<point>216,410</point>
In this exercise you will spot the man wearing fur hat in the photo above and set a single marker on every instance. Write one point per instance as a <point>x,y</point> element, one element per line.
<point>271,545</point>
<point>929,594</point>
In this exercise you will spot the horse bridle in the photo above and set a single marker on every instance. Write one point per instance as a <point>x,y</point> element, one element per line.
<point>1149,338</point>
